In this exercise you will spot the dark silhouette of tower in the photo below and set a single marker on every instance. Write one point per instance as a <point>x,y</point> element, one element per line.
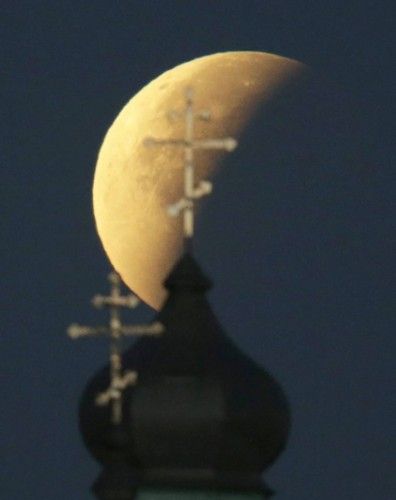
<point>202,421</point>
<point>183,414</point>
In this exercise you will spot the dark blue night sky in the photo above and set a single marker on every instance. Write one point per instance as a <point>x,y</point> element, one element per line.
<point>299,243</point>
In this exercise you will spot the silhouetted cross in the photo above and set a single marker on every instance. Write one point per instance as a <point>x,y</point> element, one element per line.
<point>192,192</point>
<point>119,379</point>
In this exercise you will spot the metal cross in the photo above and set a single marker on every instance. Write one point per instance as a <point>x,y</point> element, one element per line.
<point>192,192</point>
<point>119,379</point>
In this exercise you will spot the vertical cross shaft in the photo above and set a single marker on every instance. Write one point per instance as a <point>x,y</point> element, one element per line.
<point>119,380</point>
<point>115,345</point>
<point>192,192</point>
<point>188,211</point>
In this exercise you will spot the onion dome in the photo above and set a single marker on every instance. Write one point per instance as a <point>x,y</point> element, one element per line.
<point>202,416</point>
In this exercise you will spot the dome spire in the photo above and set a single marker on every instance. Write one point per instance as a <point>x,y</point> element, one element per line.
<point>192,190</point>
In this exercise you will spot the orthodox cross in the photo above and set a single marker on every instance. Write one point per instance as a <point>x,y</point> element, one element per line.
<point>119,379</point>
<point>192,191</point>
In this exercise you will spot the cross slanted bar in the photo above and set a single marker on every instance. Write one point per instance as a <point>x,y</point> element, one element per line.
<point>119,379</point>
<point>192,191</point>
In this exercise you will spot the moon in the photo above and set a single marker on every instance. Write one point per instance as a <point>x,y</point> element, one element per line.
<point>134,184</point>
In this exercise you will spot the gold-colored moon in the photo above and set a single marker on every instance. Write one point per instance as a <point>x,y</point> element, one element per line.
<point>134,184</point>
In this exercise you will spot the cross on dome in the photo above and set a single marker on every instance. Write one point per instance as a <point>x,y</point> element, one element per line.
<point>192,190</point>
<point>119,379</point>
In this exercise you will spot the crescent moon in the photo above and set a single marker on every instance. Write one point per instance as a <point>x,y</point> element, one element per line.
<point>133,184</point>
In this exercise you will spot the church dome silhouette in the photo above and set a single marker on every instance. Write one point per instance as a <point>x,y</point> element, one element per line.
<point>202,414</point>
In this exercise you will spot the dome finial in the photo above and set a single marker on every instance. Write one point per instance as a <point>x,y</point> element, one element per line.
<point>119,379</point>
<point>192,191</point>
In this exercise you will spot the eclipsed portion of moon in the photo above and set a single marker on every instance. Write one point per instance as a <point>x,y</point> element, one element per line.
<point>134,184</point>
